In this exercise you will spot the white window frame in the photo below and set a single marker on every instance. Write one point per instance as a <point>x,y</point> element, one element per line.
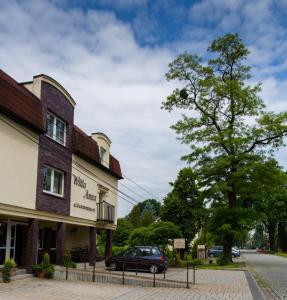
<point>52,182</point>
<point>54,137</point>
<point>103,152</point>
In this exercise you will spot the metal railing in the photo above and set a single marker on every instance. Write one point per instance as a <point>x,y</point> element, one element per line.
<point>105,212</point>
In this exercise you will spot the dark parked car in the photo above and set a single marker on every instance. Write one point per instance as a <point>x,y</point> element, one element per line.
<point>216,251</point>
<point>140,257</point>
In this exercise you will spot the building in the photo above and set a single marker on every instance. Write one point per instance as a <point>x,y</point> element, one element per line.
<point>58,185</point>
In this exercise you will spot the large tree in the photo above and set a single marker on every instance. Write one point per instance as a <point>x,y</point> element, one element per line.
<point>225,123</point>
<point>183,205</point>
<point>268,188</point>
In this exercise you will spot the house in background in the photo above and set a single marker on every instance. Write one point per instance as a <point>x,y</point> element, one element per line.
<point>57,184</point>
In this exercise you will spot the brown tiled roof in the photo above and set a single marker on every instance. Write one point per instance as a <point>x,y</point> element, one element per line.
<point>18,103</point>
<point>88,149</point>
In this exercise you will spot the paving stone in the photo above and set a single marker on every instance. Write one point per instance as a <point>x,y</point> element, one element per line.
<point>210,285</point>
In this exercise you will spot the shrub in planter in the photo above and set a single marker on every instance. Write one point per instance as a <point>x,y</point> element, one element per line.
<point>45,269</point>
<point>8,269</point>
<point>68,263</point>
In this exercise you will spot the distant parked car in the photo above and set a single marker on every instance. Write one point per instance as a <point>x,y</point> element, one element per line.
<point>216,251</point>
<point>139,257</point>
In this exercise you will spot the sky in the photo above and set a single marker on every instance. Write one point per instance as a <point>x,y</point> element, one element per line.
<point>112,57</point>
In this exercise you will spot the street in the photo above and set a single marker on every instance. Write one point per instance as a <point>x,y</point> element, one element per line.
<point>273,269</point>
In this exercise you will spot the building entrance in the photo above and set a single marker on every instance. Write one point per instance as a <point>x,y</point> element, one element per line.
<point>11,246</point>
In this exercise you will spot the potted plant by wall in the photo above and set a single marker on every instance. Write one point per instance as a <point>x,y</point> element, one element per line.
<point>9,269</point>
<point>45,269</point>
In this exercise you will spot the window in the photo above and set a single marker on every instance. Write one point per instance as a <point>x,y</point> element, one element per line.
<point>102,154</point>
<point>53,181</point>
<point>56,129</point>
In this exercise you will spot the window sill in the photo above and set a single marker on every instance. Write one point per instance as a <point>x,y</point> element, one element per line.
<point>53,194</point>
<point>59,143</point>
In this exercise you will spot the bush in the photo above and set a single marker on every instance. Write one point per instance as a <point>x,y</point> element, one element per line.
<point>8,265</point>
<point>222,261</point>
<point>117,249</point>
<point>45,266</point>
<point>196,261</point>
<point>68,263</point>
<point>173,258</point>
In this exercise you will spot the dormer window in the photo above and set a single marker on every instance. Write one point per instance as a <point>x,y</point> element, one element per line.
<point>103,152</point>
<point>56,128</point>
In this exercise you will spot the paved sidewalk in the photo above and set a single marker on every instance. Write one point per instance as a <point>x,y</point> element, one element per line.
<point>211,285</point>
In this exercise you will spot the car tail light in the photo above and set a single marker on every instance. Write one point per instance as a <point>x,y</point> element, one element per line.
<point>161,258</point>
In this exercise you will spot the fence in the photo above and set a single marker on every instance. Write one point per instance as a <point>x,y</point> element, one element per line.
<point>126,278</point>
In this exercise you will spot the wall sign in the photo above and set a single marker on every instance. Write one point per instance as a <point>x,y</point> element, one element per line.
<point>179,243</point>
<point>80,182</point>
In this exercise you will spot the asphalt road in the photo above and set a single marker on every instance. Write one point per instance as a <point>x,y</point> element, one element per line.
<point>273,269</point>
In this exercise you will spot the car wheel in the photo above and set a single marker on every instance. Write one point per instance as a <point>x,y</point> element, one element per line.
<point>153,269</point>
<point>113,266</point>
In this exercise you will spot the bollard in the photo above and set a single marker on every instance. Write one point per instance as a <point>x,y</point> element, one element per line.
<point>67,272</point>
<point>187,270</point>
<point>194,274</point>
<point>136,268</point>
<point>153,279</point>
<point>94,271</point>
<point>164,272</point>
<point>123,273</point>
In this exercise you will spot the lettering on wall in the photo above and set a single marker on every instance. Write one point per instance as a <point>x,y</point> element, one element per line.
<point>80,182</point>
<point>84,207</point>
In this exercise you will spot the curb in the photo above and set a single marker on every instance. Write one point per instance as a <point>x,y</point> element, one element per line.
<point>254,288</point>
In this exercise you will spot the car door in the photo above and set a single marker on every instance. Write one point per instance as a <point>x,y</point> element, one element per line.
<point>144,258</point>
<point>129,258</point>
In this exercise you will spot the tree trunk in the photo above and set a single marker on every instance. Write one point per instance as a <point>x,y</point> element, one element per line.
<point>282,236</point>
<point>271,227</point>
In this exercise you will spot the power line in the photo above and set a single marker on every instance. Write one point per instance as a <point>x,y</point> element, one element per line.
<point>141,187</point>
<point>123,193</point>
<point>131,190</point>
<point>36,142</point>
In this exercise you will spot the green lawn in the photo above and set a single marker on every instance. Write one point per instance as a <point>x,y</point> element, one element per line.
<point>281,254</point>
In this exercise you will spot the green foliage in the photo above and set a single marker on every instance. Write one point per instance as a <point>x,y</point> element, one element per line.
<point>123,231</point>
<point>6,274</point>
<point>159,234</point>
<point>147,218</point>
<point>225,125</point>
<point>183,205</point>
<point>135,216</point>
<point>45,266</point>
<point>222,261</point>
<point>8,265</point>
<point>68,260</point>
<point>101,250</point>
<point>150,205</point>
<point>139,237</point>
<point>118,249</point>
<point>144,213</point>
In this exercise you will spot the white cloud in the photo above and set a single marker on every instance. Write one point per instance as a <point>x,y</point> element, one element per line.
<point>117,85</point>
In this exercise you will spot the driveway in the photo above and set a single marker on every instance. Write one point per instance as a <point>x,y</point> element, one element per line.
<point>211,285</point>
<point>272,268</point>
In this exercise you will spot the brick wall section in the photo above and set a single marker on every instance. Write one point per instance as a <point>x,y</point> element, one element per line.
<point>53,154</point>
<point>31,246</point>
<point>92,245</point>
<point>109,243</point>
<point>61,237</point>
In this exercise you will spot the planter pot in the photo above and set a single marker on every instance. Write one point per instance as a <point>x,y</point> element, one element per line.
<point>12,272</point>
<point>43,274</point>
